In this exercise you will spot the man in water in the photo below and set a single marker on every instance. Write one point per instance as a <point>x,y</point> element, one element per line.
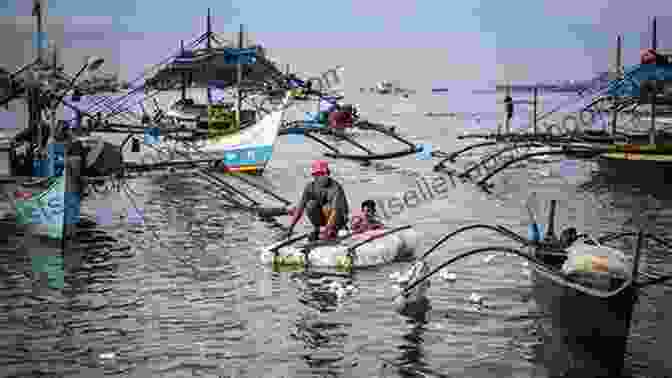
<point>325,203</point>
<point>368,219</point>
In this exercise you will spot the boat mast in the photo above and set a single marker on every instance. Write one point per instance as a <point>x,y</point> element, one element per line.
<point>619,57</point>
<point>37,12</point>
<point>654,90</point>
<point>184,75</point>
<point>34,105</point>
<point>239,78</point>
<point>209,47</point>
<point>618,75</point>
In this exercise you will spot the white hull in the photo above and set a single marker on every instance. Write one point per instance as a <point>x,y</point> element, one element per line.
<point>250,147</point>
<point>381,251</point>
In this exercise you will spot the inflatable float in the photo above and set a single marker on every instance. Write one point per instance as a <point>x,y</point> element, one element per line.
<point>361,250</point>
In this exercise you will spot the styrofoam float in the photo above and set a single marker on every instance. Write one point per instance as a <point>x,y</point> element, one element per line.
<point>372,248</point>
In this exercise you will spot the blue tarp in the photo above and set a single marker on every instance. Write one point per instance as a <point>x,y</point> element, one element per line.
<point>228,56</point>
<point>634,76</point>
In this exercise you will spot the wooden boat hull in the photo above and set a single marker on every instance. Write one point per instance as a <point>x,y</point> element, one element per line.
<point>43,213</point>
<point>637,168</point>
<point>248,150</point>
<point>592,330</point>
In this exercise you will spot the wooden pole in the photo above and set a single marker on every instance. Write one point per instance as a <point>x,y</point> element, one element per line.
<point>652,130</point>
<point>654,92</point>
<point>209,47</point>
<point>619,74</point>
<point>619,57</point>
<point>184,75</point>
<point>534,110</point>
<point>239,79</point>
<point>73,166</point>
<point>37,12</point>
<point>508,120</point>
<point>654,36</point>
<point>550,233</point>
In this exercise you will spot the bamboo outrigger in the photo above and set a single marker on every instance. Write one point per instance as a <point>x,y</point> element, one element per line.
<point>603,335</point>
<point>616,148</point>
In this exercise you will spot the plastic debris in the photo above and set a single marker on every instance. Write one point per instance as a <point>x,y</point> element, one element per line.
<point>107,356</point>
<point>476,298</point>
<point>448,276</point>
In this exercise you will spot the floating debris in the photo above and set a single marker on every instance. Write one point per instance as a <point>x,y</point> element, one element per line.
<point>448,276</point>
<point>489,258</point>
<point>476,299</point>
<point>107,356</point>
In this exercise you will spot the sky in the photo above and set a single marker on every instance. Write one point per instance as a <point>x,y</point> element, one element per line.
<point>465,44</point>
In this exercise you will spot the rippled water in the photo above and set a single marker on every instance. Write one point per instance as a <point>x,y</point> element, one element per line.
<point>197,302</point>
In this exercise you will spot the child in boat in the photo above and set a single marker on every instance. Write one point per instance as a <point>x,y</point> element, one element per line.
<point>367,219</point>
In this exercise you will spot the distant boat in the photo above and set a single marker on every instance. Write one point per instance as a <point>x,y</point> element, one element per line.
<point>384,87</point>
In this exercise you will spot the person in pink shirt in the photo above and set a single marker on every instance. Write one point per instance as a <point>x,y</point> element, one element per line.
<point>367,219</point>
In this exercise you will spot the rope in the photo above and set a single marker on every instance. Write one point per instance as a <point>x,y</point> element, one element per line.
<point>620,83</point>
<point>500,229</point>
<point>147,71</point>
<point>549,273</point>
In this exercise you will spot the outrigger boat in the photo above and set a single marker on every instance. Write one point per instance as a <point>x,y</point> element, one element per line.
<point>572,276</point>
<point>360,250</point>
<point>49,166</point>
<point>618,147</point>
<point>242,139</point>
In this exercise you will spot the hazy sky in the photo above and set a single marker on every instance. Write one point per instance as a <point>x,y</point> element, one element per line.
<point>427,43</point>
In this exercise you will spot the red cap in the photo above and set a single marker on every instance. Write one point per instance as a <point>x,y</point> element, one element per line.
<point>320,168</point>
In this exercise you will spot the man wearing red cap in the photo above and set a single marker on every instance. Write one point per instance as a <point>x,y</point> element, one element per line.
<point>324,202</point>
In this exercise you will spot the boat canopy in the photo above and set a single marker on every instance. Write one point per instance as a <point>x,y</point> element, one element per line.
<point>634,76</point>
<point>205,66</point>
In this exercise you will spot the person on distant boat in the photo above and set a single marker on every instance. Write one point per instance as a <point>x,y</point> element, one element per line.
<point>366,220</point>
<point>324,202</point>
<point>340,119</point>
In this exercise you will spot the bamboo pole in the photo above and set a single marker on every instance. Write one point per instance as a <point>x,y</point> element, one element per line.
<point>184,75</point>
<point>239,78</point>
<point>508,119</point>
<point>654,91</point>
<point>209,47</point>
<point>534,110</point>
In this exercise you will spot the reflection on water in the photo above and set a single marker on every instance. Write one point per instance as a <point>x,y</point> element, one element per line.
<point>323,337</point>
<point>412,351</point>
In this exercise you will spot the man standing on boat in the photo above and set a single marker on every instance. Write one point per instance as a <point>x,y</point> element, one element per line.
<point>324,202</point>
